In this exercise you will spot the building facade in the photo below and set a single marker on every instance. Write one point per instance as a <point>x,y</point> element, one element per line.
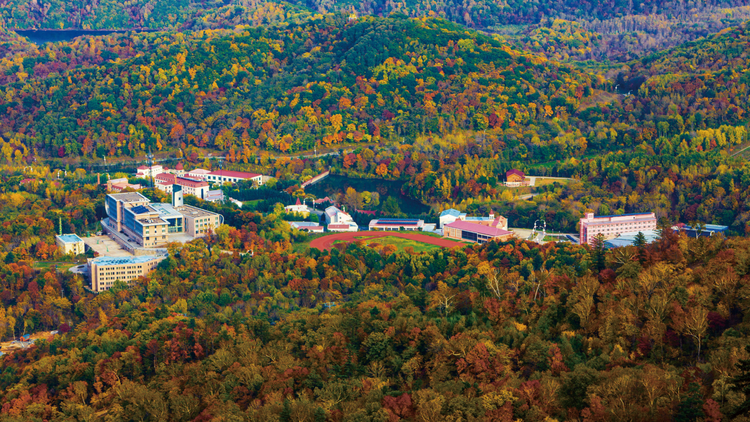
<point>611,226</point>
<point>473,232</point>
<point>199,174</point>
<point>197,188</point>
<point>70,244</point>
<point>106,270</point>
<point>228,176</point>
<point>299,208</point>
<point>515,178</point>
<point>393,224</point>
<point>150,224</point>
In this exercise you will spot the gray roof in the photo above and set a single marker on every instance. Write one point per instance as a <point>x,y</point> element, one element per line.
<point>69,238</point>
<point>451,212</point>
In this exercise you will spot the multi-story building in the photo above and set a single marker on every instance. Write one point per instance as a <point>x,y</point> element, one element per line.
<point>228,176</point>
<point>115,204</point>
<point>199,174</point>
<point>190,186</point>
<point>70,244</point>
<point>339,221</point>
<point>199,222</point>
<point>515,178</point>
<point>105,271</point>
<point>148,172</point>
<point>451,215</point>
<point>150,225</point>
<point>611,226</point>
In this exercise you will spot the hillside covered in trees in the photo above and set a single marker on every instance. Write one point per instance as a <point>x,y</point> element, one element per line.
<point>500,332</point>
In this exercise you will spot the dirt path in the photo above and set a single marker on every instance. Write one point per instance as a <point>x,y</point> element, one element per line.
<point>326,242</point>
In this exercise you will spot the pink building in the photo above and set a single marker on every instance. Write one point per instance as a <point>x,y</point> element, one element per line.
<point>612,226</point>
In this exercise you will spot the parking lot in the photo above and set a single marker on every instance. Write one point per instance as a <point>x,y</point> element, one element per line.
<point>105,246</point>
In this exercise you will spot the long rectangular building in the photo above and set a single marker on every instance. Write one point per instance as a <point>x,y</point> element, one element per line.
<point>611,226</point>
<point>106,270</point>
<point>475,232</point>
<point>393,224</point>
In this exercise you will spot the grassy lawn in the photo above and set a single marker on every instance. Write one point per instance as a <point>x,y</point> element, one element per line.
<point>61,266</point>
<point>250,204</point>
<point>400,243</point>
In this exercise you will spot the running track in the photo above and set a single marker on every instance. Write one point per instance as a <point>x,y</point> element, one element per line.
<point>326,242</point>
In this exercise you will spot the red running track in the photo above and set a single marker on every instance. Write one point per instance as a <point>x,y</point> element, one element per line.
<point>326,242</point>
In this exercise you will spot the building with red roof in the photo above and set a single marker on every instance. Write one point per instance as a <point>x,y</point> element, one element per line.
<point>474,232</point>
<point>514,178</point>
<point>229,176</point>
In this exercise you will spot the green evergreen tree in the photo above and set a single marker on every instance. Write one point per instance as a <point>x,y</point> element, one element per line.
<point>598,253</point>
<point>690,408</point>
<point>640,243</point>
<point>10,258</point>
<point>320,415</point>
<point>286,412</point>
<point>742,384</point>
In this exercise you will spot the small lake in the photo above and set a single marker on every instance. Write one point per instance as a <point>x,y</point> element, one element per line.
<point>334,185</point>
<point>42,36</point>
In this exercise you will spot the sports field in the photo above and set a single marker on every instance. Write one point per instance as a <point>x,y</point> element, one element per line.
<point>420,242</point>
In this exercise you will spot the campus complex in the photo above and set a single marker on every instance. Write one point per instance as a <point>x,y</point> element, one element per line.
<point>143,228</point>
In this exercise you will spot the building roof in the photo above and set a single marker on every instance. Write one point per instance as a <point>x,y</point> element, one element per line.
<point>193,212</point>
<point>479,219</point>
<point>298,202</point>
<point>304,223</point>
<point>215,194</point>
<point>129,197</point>
<point>194,183</point>
<point>179,166</point>
<point>451,212</point>
<point>396,222</point>
<point>69,238</point>
<point>165,210</point>
<point>124,260</point>
<point>705,227</point>
<point>141,209</point>
<point>624,215</point>
<point>342,225</point>
<point>200,171</point>
<point>142,168</point>
<point>478,228</point>
<point>627,239</point>
<point>237,174</point>
<point>166,176</point>
<point>514,171</point>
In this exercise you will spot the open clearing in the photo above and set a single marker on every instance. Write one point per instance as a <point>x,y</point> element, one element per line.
<point>420,242</point>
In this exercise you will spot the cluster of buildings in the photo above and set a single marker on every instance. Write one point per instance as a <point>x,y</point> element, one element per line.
<point>144,228</point>
<point>621,230</point>
<point>150,225</point>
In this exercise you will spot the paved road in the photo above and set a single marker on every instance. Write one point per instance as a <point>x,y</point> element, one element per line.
<point>326,242</point>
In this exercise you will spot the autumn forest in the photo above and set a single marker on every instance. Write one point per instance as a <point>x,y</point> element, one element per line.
<point>414,108</point>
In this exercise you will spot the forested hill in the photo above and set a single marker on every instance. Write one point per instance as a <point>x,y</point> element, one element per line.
<point>100,14</point>
<point>330,79</point>
<point>705,79</point>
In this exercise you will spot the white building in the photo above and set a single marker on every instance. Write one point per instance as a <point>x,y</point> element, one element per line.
<point>228,176</point>
<point>69,244</point>
<point>199,174</point>
<point>299,207</point>
<point>148,172</point>
<point>339,221</point>
<point>451,215</point>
